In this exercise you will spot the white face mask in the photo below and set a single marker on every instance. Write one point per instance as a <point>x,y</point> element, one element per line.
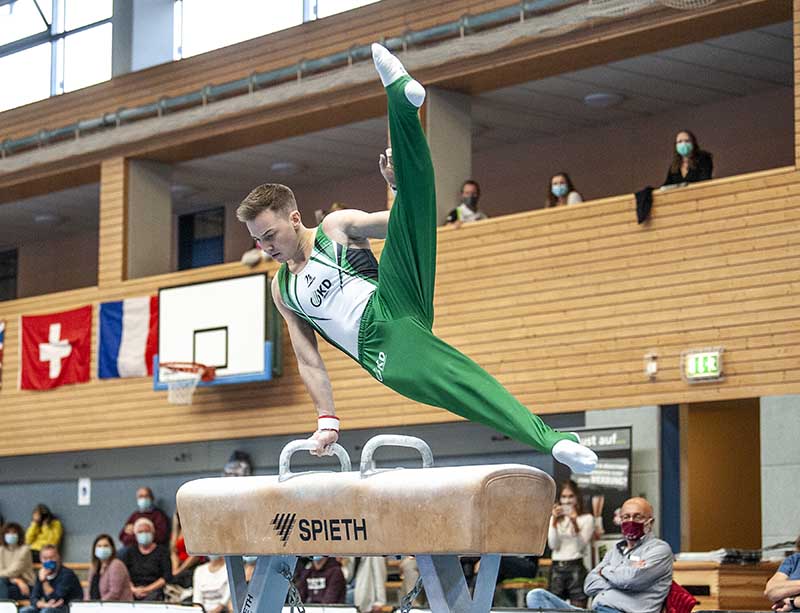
<point>11,538</point>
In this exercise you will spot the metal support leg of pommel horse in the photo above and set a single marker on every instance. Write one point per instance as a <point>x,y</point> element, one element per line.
<point>446,587</point>
<point>268,586</point>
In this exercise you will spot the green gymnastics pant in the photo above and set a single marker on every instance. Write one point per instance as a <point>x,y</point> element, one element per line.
<point>396,344</point>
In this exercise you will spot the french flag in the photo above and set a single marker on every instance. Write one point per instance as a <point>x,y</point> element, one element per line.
<point>128,337</point>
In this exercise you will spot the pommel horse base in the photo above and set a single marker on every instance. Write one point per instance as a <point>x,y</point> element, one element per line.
<point>435,514</point>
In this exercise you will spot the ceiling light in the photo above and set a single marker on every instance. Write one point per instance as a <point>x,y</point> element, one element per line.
<point>285,168</point>
<point>48,219</point>
<point>603,100</point>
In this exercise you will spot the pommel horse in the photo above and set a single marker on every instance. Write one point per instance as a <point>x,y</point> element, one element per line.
<point>434,514</point>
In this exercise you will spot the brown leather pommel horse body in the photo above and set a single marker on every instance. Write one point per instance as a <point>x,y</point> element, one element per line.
<point>434,514</point>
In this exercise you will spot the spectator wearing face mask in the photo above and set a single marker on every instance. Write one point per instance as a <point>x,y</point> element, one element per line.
<point>783,588</point>
<point>689,162</point>
<point>467,211</point>
<point>147,562</point>
<point>56,586</point>
<point>569,536</point>
<point>321,581</point>
<point>147,509</point>
<point>16,564</point>
<point>108,576</point>
<point>635,574</point>
<point>211,588</point>
<point>561,191</point>
<point>45,529</point>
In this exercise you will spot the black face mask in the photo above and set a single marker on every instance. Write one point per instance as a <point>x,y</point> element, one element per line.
<point>470,201</point>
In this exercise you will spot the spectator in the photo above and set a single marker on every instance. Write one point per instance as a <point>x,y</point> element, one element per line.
<point>249,566</point>
<point>561,191</point>
<point>16,564</point>
<point>689,162</point>
<point>321,581</point>
<point>783,588</point>
<point>239,464</point>
<point>147,562</point>
<point>370,586</point>
<point>182,564</point>
<point>147,509</point>
<point>56,586</point>
<point>211,588</point>
<point>635,575</point>
<point>569,536</point>
<point>108,576</point>
<point>45,529</point>
<point>467,211</point>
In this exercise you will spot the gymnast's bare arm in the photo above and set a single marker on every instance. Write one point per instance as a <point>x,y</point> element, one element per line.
<point>312,369</point>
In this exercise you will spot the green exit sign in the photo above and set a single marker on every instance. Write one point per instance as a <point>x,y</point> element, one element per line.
<point>702,365</point>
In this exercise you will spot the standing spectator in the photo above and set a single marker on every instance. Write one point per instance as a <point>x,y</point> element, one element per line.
<point>561,191</point>
<point>16,564</point>
<point>45,529</point>
<point>569,536</point>
<point>108,576</point>
<point>635,574</point>
<point>147,562</point>
<point>321,581</point>
<point>147,509</point>
<point>689,162</point>
<point>56,586</point>
<point>467,211</point>
<point>370,587</point>
<point>211,588</point>
<point>183,565</point>
<point>783,588</point>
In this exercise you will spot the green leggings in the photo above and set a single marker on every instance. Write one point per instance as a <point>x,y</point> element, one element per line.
<point>396,345</point>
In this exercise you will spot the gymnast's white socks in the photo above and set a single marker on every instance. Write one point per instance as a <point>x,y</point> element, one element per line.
<point>390,69</point>
<point>580,459</point>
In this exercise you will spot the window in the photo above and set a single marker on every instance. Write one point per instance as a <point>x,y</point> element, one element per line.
<point>48,47</point>
<point>8,275</point>
<point>202,25</point>
<point>201,239</point>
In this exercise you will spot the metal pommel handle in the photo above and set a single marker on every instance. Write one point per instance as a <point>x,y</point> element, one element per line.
<point>286,454</point>
<point>394,440</point>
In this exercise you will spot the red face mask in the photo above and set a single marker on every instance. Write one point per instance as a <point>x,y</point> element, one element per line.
<point>632,530</point>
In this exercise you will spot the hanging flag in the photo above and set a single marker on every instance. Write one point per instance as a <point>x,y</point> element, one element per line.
<point>55,348</point>
<point>2,341</point>
<point>128,337</point>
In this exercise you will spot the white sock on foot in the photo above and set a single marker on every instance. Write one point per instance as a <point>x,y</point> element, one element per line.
<point>580,459</point>
<point>388,66</point>
<point>390,69</point>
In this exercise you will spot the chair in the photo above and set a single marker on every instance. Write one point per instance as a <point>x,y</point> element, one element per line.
<point>679,600</point>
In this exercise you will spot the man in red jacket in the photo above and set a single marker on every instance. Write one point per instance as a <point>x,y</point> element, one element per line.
<point>146,508</point>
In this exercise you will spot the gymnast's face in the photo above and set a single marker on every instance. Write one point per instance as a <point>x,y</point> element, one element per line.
<point>277,233</point>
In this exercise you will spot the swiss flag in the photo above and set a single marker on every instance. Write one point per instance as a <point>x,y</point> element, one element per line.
<point>55,349</point>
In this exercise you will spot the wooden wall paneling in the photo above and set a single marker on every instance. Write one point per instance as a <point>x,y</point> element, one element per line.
<point>569,301</point>
<point>113,222</point>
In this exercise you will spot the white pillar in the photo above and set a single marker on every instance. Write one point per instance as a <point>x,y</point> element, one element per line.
<point>149,219</point>
<point>448,126</point>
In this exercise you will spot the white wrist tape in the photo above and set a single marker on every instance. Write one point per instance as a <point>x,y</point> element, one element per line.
<point>328,422</point>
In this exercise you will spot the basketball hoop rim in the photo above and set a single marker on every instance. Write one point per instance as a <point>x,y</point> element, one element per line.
<point>207,373</point>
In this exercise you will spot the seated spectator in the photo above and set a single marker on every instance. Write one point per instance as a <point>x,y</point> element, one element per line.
<point>56,586</point>
<point>16,564</point>
<point>45,529</point>
<point>370,584</point>
<point>211,588</point>
<point>321,581</point>
<point>147,562</point>
<point>561,191</point>
<point>147,509</point>
<point>467,211</point>
<point>108,576</point>
<point>635,575</point>
<point>689,162</point>
<point>569,536</point>
<point>182,564</point>
<point>783,588</point>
